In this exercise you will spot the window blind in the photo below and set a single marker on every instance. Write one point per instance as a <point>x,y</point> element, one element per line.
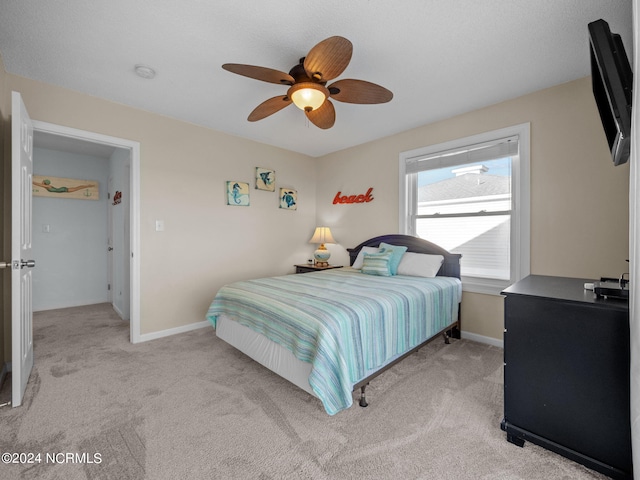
<point>481,152</point>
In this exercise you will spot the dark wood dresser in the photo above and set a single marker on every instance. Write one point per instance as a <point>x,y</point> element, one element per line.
<point>566,372</point>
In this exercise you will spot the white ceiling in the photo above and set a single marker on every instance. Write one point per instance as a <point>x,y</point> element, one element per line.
<point>440,58</point>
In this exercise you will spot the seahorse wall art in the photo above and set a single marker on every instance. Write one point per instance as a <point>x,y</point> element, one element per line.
<point>45,186</point>
<point>237,193</point>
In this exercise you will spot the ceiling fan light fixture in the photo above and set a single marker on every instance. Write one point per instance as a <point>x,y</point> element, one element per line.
<point>308,96</point>
<point>308,91</point>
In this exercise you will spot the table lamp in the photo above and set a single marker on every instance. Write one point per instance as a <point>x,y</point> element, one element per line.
<point>322,235</point>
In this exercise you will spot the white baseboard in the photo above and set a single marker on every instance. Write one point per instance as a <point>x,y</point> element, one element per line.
<point>482,339</point>
<point>195,326</point>
<point>82,303</point>
<point>119,312</point>
<point>173,331</point>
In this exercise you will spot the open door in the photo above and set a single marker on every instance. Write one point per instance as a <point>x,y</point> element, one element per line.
<point>21,265</point>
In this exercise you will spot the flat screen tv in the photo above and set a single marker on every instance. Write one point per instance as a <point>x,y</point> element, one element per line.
<point>612,80</point>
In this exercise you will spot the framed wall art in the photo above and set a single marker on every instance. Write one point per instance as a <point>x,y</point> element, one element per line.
<point>237,193</point>
<point>45,186</point>
<point>288,199</point>
<point>265,179</point>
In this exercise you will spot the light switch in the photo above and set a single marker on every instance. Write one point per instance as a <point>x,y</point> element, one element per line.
<point>159,225</point>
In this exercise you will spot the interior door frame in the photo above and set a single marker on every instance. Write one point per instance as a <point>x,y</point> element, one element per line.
<point>110,242</point>
<point>134,208</point>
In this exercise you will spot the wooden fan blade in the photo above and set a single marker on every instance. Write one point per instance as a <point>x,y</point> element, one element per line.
<point>359,91</point>
<point>269,107</point>
<point>328,59</point>
<point>260,73</point>
<point>323,117</point>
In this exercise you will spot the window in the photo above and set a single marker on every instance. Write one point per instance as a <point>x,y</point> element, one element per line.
<point>471,196</point>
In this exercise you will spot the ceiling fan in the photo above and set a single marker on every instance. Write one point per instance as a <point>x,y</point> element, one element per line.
<point>307,84</point>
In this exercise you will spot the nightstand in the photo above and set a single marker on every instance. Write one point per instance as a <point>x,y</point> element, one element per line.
<point>307,267</point>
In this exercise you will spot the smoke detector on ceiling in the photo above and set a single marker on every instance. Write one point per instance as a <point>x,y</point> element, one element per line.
<point>145,71</point>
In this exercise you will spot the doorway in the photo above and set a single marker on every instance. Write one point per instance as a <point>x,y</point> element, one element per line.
<point>127,158</point>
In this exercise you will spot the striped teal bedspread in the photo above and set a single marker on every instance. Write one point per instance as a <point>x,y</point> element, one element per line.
<point>343,322</point>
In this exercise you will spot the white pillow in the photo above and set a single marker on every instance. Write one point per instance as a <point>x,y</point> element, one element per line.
<point>360,258</point>
<point>420,264</point>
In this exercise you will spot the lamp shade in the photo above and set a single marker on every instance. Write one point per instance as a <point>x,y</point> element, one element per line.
<point>322,235</point>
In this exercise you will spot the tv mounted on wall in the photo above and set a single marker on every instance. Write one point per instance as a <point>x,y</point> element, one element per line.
<point>612,81</point>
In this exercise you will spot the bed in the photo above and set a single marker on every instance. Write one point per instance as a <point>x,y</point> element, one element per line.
<point>331,332</point>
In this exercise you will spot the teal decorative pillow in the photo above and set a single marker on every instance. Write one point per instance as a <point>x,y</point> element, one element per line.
<point>396,256</point>
<point>377,263</point>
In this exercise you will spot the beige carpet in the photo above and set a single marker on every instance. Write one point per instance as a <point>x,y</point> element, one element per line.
<point>192,407</point>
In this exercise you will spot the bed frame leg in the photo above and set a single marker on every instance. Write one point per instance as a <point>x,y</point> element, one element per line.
<point>363,401</point>
<point>446,338</point>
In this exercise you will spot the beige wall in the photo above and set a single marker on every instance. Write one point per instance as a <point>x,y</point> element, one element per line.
<point>579,200</point>
<point>183,171</point>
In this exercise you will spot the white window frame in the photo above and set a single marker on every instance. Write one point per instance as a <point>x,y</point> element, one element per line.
<point>520,259</point>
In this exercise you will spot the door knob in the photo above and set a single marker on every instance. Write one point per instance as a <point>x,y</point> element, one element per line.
<point>27,263</point>
<point>109,249</point>
<point>5,264</point>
